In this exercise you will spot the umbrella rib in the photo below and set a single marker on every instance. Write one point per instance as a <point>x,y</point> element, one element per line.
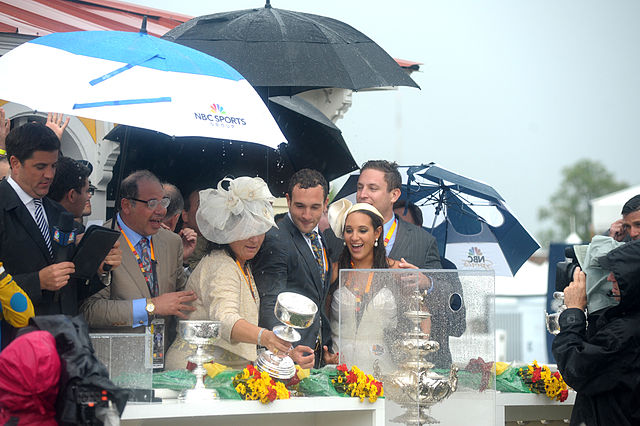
<point>121,70</point>
<point>122,102</point>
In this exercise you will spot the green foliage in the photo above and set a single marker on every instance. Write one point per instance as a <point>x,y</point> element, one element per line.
<point>582,182</point>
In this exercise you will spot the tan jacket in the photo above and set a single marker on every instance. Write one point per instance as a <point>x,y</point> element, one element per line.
<point>224,295</point>
<point>111,309</point>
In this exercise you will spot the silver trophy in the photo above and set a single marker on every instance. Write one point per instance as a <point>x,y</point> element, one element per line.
<point>294,311</point>
<point>553,320</point>
<point>414,386</point>
<point>200,333</point>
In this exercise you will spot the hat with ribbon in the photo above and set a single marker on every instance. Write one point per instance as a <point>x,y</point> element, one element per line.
<point>339,210</point>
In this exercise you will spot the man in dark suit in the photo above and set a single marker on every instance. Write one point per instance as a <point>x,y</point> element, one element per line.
<point>26,218</point>
<point>294,258</point>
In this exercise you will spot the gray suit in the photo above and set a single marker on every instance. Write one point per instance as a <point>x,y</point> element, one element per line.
<point>111,311</point>
<point>416,246</point>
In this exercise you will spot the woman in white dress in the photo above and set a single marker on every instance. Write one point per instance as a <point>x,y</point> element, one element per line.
<point>234,222</point>
<point>363,310</point>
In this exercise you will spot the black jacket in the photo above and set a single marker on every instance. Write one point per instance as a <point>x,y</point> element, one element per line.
<point>286,263</point>
<point>604,366</point>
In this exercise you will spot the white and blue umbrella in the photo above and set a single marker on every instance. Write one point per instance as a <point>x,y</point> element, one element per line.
<point>138,80</point>
<point>473,225</point>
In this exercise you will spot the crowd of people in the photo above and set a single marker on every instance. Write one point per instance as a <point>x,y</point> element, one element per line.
<point>229,260</point>
<point>217,254</point>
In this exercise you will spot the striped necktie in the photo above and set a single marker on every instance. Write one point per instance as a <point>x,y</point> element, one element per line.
<point>42,224</point>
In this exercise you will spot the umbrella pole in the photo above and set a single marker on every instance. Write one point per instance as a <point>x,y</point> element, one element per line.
<point>123,159</point>
<point>433,224</point>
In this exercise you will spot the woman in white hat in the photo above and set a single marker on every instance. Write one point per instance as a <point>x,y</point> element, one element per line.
<point>234,221</point>
<point>366,303</point>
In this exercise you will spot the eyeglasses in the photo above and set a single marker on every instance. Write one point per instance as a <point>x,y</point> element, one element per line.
<point>92,190</point>
<point>153,203</point>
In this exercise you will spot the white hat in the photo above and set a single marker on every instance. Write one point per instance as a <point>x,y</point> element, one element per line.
<point>241,212</point>
<point>339,210</point>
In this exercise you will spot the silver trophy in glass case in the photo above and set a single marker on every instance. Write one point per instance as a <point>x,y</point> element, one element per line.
<point>200,333</point>
<point>294,311</point>
<point>413,385</point>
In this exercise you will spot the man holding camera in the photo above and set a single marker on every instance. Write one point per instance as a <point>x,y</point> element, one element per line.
<point>603,366</point>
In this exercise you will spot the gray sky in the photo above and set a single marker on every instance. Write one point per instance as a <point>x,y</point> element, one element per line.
<point>512,90</point>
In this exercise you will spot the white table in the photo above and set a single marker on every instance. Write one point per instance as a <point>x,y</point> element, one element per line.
<point>511,407</point>
<point>317,411</point>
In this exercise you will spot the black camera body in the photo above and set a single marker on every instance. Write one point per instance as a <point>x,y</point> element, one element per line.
<point>565,269</point>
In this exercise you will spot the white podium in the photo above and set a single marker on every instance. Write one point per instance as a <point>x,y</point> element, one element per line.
<point>316,411</point>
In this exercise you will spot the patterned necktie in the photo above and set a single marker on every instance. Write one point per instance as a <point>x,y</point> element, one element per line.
<point>317,250</point>
<point>146,267</point>
<point>42,224</point>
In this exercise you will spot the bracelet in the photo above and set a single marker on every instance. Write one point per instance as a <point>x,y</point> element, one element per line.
<point>260,336</point>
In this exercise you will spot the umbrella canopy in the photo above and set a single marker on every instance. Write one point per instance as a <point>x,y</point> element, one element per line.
<point>473,225</point>
<point>292,51</point>
<point>139,80</point>
<point>314,142</point>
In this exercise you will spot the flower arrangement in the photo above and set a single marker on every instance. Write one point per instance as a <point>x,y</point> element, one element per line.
<point>355,383</point>
<point>252,384</point>
<point>542,380</point>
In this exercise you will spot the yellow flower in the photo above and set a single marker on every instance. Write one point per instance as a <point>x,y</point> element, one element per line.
<point>241,389</point>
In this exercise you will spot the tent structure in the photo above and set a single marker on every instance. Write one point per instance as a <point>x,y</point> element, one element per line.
<point>606,209</point>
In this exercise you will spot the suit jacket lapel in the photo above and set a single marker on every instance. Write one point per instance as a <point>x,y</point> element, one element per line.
<point>401,242</point>
<point>307,254</point>
<point>26,220</point>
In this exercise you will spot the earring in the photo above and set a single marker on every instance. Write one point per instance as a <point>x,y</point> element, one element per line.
<point>344,243</point>
<point>375,244</point>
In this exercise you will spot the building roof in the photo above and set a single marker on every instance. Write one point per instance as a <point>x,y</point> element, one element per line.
<point>33,18</point>
<point>42,17</point>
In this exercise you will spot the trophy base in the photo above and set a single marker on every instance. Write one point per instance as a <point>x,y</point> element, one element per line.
<point>415,416</point>
<point>279,368</point>
<point>193,395</point>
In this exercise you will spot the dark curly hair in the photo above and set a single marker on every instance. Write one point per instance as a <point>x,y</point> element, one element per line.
<point>379,253</point>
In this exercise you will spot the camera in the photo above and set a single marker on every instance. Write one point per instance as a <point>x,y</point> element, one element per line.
<point>565,269</point>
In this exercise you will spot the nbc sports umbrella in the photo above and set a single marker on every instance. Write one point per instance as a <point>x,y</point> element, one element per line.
<point>138,80</point>
<point>473,225</point>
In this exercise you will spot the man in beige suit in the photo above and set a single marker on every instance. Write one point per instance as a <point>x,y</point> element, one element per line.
<point>148,285</point>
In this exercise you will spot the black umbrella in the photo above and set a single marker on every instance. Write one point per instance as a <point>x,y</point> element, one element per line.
<point>314,142</point>
<point>292,51</point>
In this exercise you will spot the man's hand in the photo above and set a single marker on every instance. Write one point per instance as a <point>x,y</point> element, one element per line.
<point>55,122</point>
<point>174,303</point>
<point>330,358</point>
<point>189,240</point>
<point>303,356</point>
<point>56,276</point>
<point>114,258</point>
<point>575,295</point>
<point>617,231</point>
<point>5,127</point>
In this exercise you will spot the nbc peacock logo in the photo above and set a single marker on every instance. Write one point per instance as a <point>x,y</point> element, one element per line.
<point>476,259</point>
<point>217,109</point>
<point>217,116</point>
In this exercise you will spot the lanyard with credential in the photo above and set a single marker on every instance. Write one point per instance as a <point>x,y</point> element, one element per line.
<point>139,260</point>
<point>249,280</point>
<point>387,237</point>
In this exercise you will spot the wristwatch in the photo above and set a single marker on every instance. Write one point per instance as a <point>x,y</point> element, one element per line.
<point>150,308</point>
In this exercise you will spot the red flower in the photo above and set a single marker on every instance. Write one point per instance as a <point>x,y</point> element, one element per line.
<point>377,385</point>
<point>342,367</point>
<point>564,394</point>
<point>272,395</point>
<point>191,366</point>
<point>293,381</point>
<point>557,375</point>
<point>536,374</point>
<point>352,377</point>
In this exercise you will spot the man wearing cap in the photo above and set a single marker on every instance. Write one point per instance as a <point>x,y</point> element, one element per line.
<point>148,285</point>
<point>602,365</point>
